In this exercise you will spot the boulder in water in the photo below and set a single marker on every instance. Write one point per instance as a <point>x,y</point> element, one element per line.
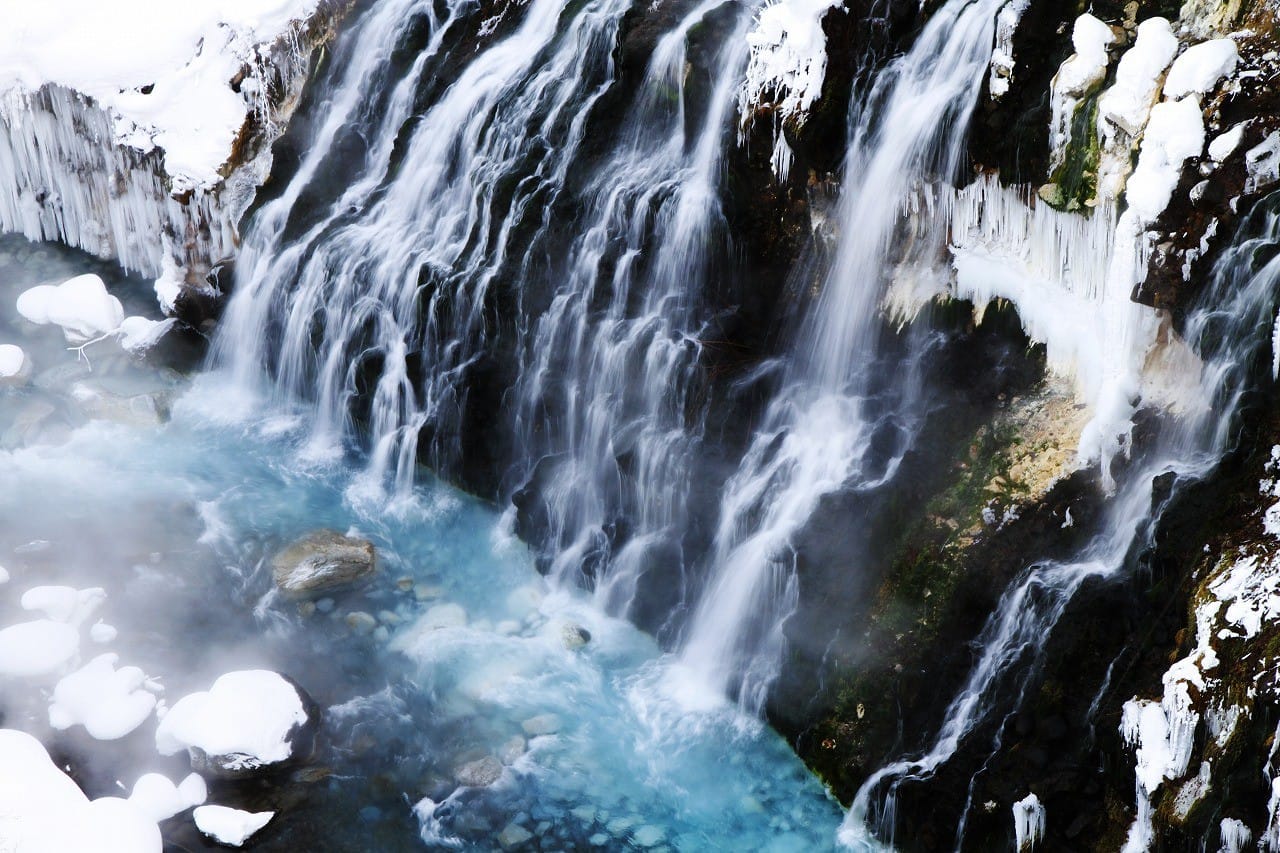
<point>479,773</point>
<point>322,561</point>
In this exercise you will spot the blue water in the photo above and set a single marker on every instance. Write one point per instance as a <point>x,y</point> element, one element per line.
<point>177,520</point>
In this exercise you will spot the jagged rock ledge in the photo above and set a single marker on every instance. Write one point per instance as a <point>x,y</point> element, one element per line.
<point>150,157</point>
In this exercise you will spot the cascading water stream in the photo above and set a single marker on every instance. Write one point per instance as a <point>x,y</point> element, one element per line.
<point>613,362</point>
<point>1227,330</point>
<point>817,435</point>
<point>393,277</point>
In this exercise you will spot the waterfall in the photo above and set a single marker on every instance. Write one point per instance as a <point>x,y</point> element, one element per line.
<point>817,435</point>
<point>605,396</point>
<point>387,289</point>
<point>1226,330</point>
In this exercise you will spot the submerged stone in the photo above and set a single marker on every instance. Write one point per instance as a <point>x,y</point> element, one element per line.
<point>543,724</point>
<point>513,836</point>
<point>322,561</point>
<point>479,773</point>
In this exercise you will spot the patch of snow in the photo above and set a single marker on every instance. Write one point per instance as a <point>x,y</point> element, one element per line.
<point>32,649</point>
<point>110,703</point>
<point>80,306</point>
<point>247,713</point>
<point>230,826</point>
<point>1200,67</point>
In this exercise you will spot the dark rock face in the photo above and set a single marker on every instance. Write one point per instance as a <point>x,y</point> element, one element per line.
<point>323,561</point>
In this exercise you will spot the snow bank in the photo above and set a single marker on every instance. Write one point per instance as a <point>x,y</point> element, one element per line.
<point>42,810</point>
<point>248,715</point>
<point>1174,134</point>
<point>162,70</point>
<point>1077,77</point>
<point>109,703</point>
<point>33,649</point>
<point>230,826</point>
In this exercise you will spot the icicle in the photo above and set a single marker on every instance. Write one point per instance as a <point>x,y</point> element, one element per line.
<point>1028,823</point>
<point>1235,836</point>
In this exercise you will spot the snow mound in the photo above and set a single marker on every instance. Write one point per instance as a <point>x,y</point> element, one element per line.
<point>44,812</point>
<point>159,799</point>
<point>15,367</point>
<point>247,716</point>
<point>80,306</point>
<point>230,826</point>
<point>138,334</point>
<point>43,647</point>
<point>788,56</point>
<point>109,703</point>
<point>64,603</point>
<point>1200,68</point>
<point>1126,103</point>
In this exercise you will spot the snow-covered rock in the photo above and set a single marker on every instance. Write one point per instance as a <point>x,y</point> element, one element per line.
<point>39,648</point>
<point>140,130</point>
<point>81,306</point>
<point>110,703</point>
<point>15,367</point>
<point>159,799</point>
<point>64,603</point>
<point>1201,67</point>
<point>248,720</point>
<point>42,810</point>
<point>229,826</point>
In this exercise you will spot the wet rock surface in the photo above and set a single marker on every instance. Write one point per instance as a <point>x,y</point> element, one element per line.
<point>323,561</point>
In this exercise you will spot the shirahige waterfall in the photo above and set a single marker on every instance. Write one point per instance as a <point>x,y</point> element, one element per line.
<point>562,422</point>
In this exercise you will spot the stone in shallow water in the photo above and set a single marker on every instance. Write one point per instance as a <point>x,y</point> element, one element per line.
<point>361,622</point>
<point>649,836</point>
<point>543,724</point>
<point>513,836</point>
<point>511,750</point>
<point>574,636</point>
<point>479,773</point>
<point>444,616</point>
<point>322,561</point>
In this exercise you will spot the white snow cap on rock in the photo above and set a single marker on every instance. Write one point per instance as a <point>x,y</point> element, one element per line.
<point>1127,102</point>
<point>170,85</point>
<point>109,703</point>
<point>15,367</point>
<point>248,713</point>
<point>43,811</point>
<point>1088,65</point>
<point>230,826</point>
<point>64,603</point>
<point>33,649</point>
<point>788,56</point>
<point>1200,68</point>
<point>81,306</point>
<point>159,799</point>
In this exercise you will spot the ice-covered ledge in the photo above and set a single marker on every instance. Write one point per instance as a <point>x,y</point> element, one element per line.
<point>140,130</point>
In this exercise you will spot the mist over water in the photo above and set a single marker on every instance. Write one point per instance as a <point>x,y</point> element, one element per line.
<point>176,521</point>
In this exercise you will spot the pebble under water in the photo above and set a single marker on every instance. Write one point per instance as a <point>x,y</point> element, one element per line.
<point>172,492</point>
